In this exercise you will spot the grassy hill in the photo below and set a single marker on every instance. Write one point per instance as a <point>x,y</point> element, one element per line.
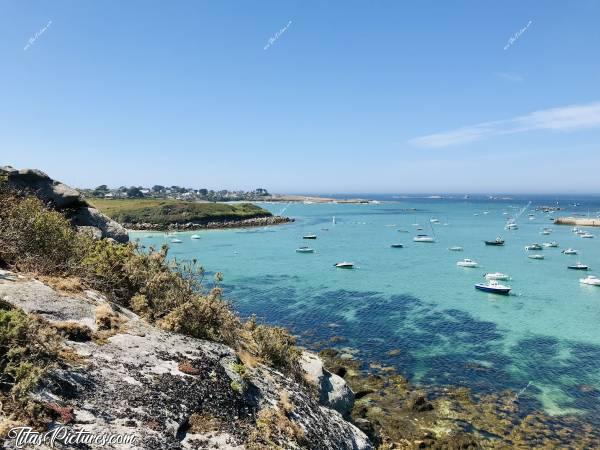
<point>165,212</point>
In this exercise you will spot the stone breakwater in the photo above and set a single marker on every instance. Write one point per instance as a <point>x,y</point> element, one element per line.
<point>579,221</point>
<point>189,226</point>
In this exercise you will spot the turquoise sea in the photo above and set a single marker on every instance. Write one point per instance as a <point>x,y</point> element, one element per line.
<point>544,337</point>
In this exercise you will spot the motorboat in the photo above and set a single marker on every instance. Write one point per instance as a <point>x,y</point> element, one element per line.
<point>309,236</point>
<point>552,244</point>
<point>535,256</point>
<point>305,249</point>
<point>467,263</point>
<point>575,229</point>
<point>397,245</point>
<point>579,266</point>
<point>423,238</point>
<point>497,241</point>
<point>570,251</point>
<point>344,265</point>
<point>176,241</point>
<point>511,226</point>
<point>587,236</point>
<point>533,247</point>
<point>195,236</point>
<point>546,232</point>
<point>402,231</point>
<point>591,280</point>
<point>456,249</point>
<point>434,220</point>
<point>493,287</point>
<point>496,276</point>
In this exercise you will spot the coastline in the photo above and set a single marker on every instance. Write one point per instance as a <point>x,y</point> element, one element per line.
<point>214,225</point>
<point>277,198</point>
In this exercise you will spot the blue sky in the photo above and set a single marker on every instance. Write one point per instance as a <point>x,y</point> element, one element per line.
<point>351,96</point>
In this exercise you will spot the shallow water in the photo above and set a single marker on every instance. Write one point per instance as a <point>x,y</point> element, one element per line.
<point>417,300</point>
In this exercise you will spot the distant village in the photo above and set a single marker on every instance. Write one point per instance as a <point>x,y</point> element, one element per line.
<point>174,192</point>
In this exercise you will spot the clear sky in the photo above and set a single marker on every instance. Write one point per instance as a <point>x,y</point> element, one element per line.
<point>304,96</point>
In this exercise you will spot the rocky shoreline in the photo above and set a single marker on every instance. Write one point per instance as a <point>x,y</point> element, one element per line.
<point>213,225</point>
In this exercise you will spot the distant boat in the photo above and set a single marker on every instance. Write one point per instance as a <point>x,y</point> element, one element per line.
<point>535,256</point>
<point>304,250</point>
<point>195,236</point>
<point>309,236</point>
<point>493,287</point>
<point>344,265</point>
<point>546,232</point>
<point>333,220</point>
<point>591,280</point>
<point>402,231</point>
<point>434,220</point>
<point>511,226</point>
<point>570,251</point>
<point>587,236</point>
<point>550,244</point>
<point>456,249</point>
<point>423,238</point>
<point>176,241</point>
<point>533,247</point>
<point>579,266</point>
<point>397,246</point>
<point>497,241</point>
<point>496,276</point>
<point>467,263</point>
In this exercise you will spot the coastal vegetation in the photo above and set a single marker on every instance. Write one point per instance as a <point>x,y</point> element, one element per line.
<point>37,240</point>
<point>164,212</point>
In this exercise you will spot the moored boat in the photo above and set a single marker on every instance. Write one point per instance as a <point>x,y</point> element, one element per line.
<point>176,241</point>
<point>456,249</point>
<point>423,238</point>
<point>552,244</point>
<point>309,236</point>
<point>195,236</point>
<point>467,263</point>
<point>579,266</point>
<point>535,256</point>
<point>497,241</point>
<point>591,280</point>
<point>493,287</point>
<point>397,245</point>
<point>587,236</point>
<point>496,276</point>
<point>570,251</point>
<point>344,265</point>
<point>533,247</point>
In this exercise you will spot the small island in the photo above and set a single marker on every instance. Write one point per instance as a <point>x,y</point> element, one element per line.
<point>170,214</point>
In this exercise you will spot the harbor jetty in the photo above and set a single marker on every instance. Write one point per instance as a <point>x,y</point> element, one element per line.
<point>578,221</point>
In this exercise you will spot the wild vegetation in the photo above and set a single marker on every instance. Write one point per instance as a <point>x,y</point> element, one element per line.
<point>170,294</point>
<point>165,211</point>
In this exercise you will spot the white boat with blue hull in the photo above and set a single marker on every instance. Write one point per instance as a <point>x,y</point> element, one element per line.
<point>493,287</point>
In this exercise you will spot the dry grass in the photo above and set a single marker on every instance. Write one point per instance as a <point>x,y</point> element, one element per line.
<point>186,367</point>
<point>275,429</point>
<point>74,331</point>
<point>200,423</point>
<point>66,284</point>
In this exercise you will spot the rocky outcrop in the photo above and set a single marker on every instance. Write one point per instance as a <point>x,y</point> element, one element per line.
<point>333,390</point>
<point>65,199</point>
<point>169,390</point>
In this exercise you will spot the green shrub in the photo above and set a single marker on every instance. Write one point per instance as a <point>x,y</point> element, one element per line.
<point>33,238</point>
<point>277,347</point>
<point>28,347</point>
